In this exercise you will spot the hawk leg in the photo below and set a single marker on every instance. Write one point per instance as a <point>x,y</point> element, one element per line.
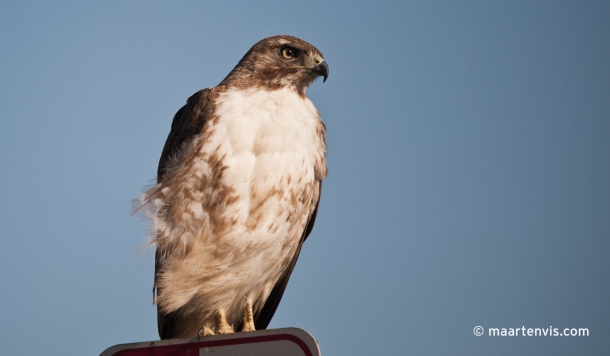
<point>222,326</point>
<point>248,318</point>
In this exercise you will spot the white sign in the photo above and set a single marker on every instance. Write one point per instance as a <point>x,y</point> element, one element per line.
<point>274,342</point>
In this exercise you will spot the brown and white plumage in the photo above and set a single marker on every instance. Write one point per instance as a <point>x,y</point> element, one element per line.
<point>237,192</point>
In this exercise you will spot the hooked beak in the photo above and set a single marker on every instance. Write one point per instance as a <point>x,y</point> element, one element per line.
<point>321,69</point>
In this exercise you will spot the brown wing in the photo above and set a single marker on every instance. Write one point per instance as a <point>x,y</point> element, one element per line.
<point>187,124</point>
<point>263,318</point>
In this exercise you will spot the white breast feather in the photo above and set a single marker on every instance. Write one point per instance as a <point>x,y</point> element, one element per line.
<point>270,142</point>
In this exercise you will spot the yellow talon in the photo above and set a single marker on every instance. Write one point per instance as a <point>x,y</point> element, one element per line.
<point>222,326</point>
<point>248,318</point>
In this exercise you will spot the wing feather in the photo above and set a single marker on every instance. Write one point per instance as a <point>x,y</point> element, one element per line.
<point>263,318</point>
<point>186,125</point>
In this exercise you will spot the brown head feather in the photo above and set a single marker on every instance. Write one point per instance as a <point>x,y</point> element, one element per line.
<point>265,66</point>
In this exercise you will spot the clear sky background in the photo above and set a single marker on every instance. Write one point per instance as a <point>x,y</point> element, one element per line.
<point>469,158</point>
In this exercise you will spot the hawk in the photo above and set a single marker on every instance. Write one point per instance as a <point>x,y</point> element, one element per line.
<point>237,192</point>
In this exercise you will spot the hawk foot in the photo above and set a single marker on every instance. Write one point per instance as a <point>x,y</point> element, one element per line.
<point>222,326</point>
<point>248,318</point>
<point>205,331</point>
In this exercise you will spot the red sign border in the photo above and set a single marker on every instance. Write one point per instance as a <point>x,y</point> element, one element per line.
<point>178,349</point>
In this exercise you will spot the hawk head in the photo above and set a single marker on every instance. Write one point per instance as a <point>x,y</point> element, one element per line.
<point>277,62</point>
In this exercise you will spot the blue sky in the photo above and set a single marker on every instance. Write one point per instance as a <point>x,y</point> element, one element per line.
<point>469,169</point>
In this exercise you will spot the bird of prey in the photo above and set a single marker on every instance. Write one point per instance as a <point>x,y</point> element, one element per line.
<point>237,192</point>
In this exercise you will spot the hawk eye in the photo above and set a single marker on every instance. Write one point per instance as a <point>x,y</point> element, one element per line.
<point>288,52</point>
